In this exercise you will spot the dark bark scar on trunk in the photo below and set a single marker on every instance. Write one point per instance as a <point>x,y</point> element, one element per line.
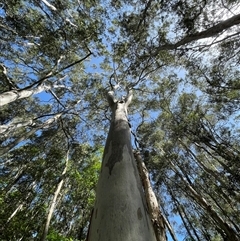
<point>120,137</point>
<point>116,156</point>
<point>139,214</point>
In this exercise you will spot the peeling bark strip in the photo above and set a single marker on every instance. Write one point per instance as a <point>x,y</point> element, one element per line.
<point>152,203</point>
<point>120,211</point>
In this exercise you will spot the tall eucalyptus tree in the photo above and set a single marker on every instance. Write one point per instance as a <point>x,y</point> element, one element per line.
<point>57,60</point>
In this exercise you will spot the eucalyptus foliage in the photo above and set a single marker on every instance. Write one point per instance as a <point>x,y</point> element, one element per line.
<point>58,60</point>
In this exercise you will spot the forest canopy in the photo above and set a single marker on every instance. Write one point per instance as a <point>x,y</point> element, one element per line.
<point>59,59</point>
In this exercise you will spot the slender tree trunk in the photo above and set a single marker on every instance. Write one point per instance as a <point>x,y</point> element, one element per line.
<point>224,212</point>
<point>231,234</point>
<point>184,222</point>
<point>168,224</point>
<point>170,229</point>
<point>187,224</point>
<point>53,202</point>
<point>21,204</point>
<point>225,166</point>
<point>46,124</point>
<point>19,208</point>
<point>202,165</point>
<point>120,211</point>
<point>184,213</point>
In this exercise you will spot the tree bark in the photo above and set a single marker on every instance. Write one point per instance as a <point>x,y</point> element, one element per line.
<point>120,211</point>
<point>152,203</point>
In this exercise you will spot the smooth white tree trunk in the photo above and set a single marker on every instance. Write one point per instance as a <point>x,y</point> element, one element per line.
<point>12,95</point>
<point>54,201</point>
<point>5,129</point>
<point>46,124</point>
<point>120,212</point>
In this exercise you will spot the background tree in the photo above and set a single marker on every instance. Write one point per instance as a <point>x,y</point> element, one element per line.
<point>59,58</point>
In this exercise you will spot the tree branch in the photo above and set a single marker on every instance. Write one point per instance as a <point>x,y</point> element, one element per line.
<point>49,5</point>
<point>110,98</point>
<point>8,81</point>
<point>52,73</point>
<point>129,97</point>
<point>57,99</point>
<point>212,31</point>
